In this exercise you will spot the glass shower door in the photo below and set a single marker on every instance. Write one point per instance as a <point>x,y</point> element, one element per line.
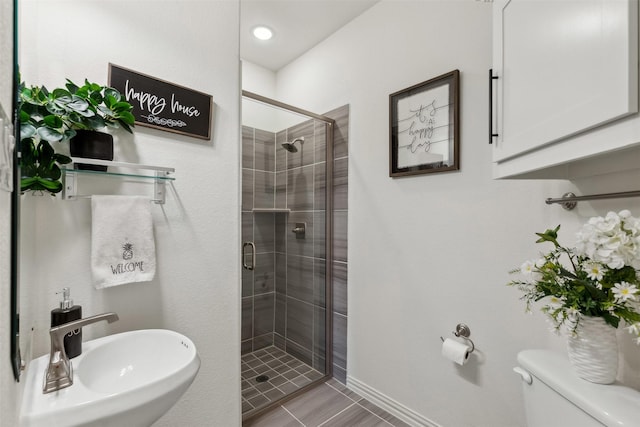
<point>284,232</point>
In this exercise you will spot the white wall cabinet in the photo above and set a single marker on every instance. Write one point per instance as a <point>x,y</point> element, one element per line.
<point>567,83</point>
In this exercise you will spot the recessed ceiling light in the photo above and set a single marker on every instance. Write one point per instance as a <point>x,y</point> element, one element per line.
<point>262,33</point>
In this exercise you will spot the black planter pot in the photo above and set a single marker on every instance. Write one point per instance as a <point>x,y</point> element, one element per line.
<point>91,144</point>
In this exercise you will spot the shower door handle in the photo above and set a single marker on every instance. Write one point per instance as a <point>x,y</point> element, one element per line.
<point>252,264</point>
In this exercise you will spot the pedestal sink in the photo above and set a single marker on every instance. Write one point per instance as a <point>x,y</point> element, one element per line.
<point>128,379</point>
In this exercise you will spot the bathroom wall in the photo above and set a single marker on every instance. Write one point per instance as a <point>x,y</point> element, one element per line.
<point>430,251</point>
<point>301,260</point>
<point>340,240</point>
<point>196,290</point>
<point>6,53</point>
<point>10,391</point>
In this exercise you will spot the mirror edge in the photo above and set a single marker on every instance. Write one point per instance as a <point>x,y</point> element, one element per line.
<point>16,357</point>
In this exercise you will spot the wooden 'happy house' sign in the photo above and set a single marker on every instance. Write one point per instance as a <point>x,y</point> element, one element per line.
<point>163,105</point>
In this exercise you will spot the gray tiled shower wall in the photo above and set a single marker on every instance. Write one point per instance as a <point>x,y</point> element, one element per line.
<point>283,298</point>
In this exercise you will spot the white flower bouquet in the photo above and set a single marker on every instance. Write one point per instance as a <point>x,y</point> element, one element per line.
<point>599,277</point>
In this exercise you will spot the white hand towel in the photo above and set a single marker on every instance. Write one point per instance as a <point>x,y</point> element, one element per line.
<point>122,245</point>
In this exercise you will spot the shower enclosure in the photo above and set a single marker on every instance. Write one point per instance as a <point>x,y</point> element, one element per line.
<point>286,232</point>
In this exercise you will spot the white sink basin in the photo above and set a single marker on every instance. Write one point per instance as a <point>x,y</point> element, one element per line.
<point>128,379</point>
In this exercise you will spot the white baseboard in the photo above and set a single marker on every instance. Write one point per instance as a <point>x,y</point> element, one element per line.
<point>396,409</point>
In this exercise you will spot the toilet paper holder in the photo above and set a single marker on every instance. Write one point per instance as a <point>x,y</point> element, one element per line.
<point>463,331</point>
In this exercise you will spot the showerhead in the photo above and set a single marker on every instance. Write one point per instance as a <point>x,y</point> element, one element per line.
<point>291,147</point>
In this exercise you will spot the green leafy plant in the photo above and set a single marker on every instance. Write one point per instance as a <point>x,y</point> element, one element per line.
<point>598,278</point>
<point>39,167</point>
<point>48,117</point>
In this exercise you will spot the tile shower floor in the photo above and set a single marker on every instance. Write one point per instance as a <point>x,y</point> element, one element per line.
<point>269,374</point>
<point>328,405</point>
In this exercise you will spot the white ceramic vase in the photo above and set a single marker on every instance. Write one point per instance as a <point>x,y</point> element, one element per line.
<point>594,351</point>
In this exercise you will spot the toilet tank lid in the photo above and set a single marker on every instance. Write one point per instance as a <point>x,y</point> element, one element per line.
<point>611,404</point>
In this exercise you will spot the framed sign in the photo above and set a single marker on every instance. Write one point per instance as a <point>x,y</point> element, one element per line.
<point>163,105</point>
<point>423,127</point>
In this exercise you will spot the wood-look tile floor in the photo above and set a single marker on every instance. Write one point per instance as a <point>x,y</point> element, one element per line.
<point>328,405</point>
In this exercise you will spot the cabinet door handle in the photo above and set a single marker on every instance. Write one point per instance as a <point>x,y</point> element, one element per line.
<point>252,264</point>
<point>491,79</point>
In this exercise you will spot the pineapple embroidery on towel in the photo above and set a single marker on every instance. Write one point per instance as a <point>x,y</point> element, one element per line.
<point>128,251</point>
<point>127,267</point>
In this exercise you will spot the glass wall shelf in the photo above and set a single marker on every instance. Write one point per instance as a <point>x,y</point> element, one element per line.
<point>158,174</point>
<point>270,210</point>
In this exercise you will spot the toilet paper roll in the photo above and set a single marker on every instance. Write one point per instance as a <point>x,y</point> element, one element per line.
<point>455,351</point>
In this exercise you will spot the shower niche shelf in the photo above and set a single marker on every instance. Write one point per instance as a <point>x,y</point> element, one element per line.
<point>158,175</point>
<point>270,210</point>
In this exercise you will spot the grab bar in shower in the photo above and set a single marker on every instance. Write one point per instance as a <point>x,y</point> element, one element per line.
<point>252,264</point>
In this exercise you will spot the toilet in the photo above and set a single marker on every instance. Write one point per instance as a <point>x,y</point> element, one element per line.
<point>554,396</point>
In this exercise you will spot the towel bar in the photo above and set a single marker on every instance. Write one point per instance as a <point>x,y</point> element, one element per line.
<point>570,200</point>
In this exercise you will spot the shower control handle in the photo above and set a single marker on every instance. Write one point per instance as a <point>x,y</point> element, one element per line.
<point>252,264</point>
<point>300,230</point>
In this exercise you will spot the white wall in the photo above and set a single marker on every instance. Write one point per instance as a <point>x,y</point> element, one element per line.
<point>196,289</point>
<point>258,79</point>
<point>261,81</point>
<point>430,251</point>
